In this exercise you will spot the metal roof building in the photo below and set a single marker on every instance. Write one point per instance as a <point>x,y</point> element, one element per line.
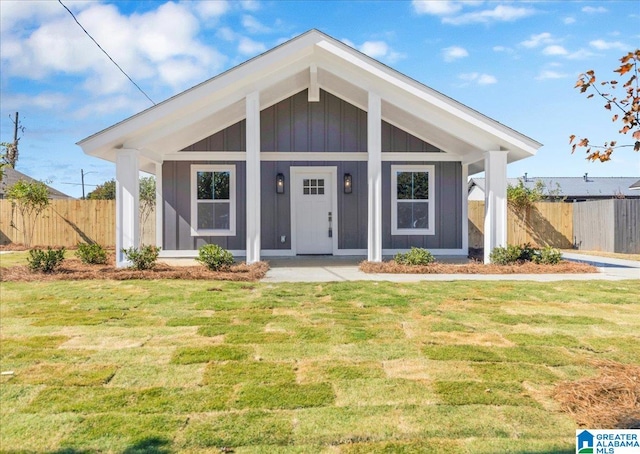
<point>570,189</point>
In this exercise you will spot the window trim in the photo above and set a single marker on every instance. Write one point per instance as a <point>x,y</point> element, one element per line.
<point>195,168</point>
<point>430,169</point>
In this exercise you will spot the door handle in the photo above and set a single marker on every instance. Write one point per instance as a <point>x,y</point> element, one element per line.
<point>330,229</point>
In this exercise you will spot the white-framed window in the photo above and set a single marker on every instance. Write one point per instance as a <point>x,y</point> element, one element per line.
<point>213,200</point>
<point>412,200</point>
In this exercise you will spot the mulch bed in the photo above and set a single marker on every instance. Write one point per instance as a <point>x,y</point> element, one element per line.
<point>610,400</point>
<point>477,268</point>
<point>73,269</point>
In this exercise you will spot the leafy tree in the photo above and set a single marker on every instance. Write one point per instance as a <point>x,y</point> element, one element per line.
<point>8,157</point>
<point>147,200</point>
<point>628,106</point>
<point>4,158</point>
<point>147,188</point>
<point>520,197</point>
<point>105,191</point>
<point>30,199</point>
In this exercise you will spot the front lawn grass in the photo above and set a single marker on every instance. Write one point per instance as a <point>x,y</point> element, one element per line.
<point>171,366</point>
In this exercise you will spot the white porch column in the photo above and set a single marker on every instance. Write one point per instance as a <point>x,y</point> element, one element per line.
<point>465,208</point>
<point>495,201</point>
<point>374,178</point>
<point>253,177</point>
<point>127,203</point>
<point>159,206</point>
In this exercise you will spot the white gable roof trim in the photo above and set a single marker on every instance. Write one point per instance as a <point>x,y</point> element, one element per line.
<point>287,69</point>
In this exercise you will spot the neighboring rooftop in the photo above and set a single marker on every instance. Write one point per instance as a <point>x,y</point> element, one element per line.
<point>572,188</point>
<point>11,176</point>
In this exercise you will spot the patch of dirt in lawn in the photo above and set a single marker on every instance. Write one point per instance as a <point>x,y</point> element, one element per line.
<point>477,268</point>
<point>73,269</point>
<point>607,401</point>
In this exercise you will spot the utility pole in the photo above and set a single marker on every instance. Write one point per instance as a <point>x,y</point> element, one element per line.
<point>82,176</point>
<point>15,131</point>
<point>12,151</point>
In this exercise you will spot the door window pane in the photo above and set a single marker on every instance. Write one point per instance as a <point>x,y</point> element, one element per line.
<point>313,186</point>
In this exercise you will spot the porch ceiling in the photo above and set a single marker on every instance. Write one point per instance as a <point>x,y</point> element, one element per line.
<point>284,71</point>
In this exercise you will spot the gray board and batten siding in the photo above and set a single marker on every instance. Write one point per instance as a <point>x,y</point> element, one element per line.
<point>295,125</point>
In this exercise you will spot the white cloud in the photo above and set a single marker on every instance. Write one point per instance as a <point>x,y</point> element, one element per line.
<point>581,54</point>
<point>538,40</point>
<point>252,25</point>
<point>555,50</point>
<point>226,34</point>
<point>569,20</point>
<point>110,105</point>
<point>436,8</point>
<point>45,101</point>
<point>375,49</point>
<point>601,44</point>
<point>477,78</point>
<point>454,13</point>
<point>379,50</point>
<point>501,13</point>
<point>249,47</point>
<point>211,9</point>
<point>549,74</point>
<point>505,49</point>
<point>160,46</point>
<point>594,10</point>
<point>250,5</point>
<point>454,53</point>
<point>487,79</point>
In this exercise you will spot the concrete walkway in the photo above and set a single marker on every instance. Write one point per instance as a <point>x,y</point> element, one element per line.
<point>336,269</point>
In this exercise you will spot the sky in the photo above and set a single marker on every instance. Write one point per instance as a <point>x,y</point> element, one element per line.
<point>516,62</point>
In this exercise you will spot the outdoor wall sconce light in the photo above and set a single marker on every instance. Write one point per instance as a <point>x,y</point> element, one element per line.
<point>348,183</point>
<point>280,184</point>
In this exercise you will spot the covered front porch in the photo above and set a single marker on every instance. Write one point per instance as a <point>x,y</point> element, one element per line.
<point>445,142</point>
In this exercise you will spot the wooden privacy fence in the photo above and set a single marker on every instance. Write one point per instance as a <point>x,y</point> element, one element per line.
<point>608,225</point>
<point>69,222</point>
<point>543,224</point>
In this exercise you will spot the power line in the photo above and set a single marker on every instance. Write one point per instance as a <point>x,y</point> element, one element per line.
<point>105,52</point>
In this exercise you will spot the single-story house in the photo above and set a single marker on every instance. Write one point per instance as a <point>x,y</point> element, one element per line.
<point>568,189</point>
<point>12,176</point>
<point>310,148</point>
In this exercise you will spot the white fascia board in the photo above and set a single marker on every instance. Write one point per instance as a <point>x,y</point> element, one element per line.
<point>430,96</point>
<point>402,118</point>
<point>250,74</point>
<point>223,112</point>
<point>453,126</point>
<point>218,116</point>
<point>342,88</point>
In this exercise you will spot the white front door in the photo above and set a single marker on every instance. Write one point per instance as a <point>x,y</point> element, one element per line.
<point>315,220</point>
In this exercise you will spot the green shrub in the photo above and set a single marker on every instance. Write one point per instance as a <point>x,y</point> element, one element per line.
<point>528,253</point>
<point>91,253</point>
<point>525,253</point>
<point>505,255</point>
<point>45,261</point>
<point>548,256</point>
<point>143,258</point>
<point>214,257</point>
<point>416,256</point>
